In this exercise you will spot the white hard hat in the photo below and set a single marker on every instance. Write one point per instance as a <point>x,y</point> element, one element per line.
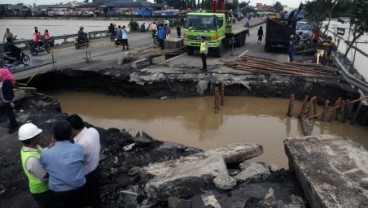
<point>28,131</point>
<point>291,36</point>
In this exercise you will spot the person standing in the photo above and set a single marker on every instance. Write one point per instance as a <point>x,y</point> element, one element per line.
<point>291,48</point>
<point>64,163</point>
<point>7,82</point>
<point>161,36</point>
<point>204,51</point>
<point>178,28</point>
<point>124,37</point>
<point>29,135</point>
<point>153,28</point>
<point>260,35</point>
<point>7,35</point>
<point>89,139</point>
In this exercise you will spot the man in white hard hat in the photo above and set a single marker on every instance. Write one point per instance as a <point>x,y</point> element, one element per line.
<point>29,135</point>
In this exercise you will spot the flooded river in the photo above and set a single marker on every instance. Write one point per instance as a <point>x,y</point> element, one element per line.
<point>192,121</point>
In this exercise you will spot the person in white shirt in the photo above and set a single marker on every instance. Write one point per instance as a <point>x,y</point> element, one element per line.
<point>89,139</point>
<point>124,37</point>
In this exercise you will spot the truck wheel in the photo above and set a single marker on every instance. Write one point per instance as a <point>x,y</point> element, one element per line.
<point>220,50</point>
<point>189,50</point>
<point>268,47</point>
<point>243,40</point>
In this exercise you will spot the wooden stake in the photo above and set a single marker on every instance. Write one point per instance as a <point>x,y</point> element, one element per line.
<point>315,106</point>
<point>324,110</point>
<point>333,114</point>
<point>311,103</point>
<point>338,105</point>
<point>217,100</point>
<point>357,113</point>
<point>343,111</point>
<point>301,112</point>
<point>291,104</point>
<point>222,93</point>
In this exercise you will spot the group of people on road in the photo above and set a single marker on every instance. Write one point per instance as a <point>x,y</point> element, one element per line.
<point>119,33</point>
<point>65,174</point>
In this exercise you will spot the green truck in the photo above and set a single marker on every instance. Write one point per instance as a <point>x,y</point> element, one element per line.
<point>218,30</point>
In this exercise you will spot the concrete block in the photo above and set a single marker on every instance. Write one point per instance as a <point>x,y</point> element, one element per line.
<point>140,64</point>
<point>158,59</point>
<point>174,43</point>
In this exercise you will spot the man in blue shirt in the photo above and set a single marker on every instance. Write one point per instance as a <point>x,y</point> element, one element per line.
<point>161,36</point>
<point>64,163</point>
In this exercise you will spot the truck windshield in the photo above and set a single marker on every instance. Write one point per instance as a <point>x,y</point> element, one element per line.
<point>201,23</point>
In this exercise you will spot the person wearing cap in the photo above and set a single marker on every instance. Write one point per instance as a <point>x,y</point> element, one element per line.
<point>89,139</point>
<point>29,135</point>
<point>291,48</point>
<point>203,50</point>
<point>64,163</point>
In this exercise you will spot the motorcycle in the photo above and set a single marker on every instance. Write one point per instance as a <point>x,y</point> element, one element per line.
<point>8,60</point>
<point>118,42</point>
<point>35,48</point>
<point>80,43</point>
<point>50,42</point>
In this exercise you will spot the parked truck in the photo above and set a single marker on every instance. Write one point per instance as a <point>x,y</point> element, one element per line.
<point>219,31</point>
<point>278,32</point>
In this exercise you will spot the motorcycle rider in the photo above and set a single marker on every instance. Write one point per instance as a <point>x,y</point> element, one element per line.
<point>37,39</point>
<point>13,50</point>
<point>82,36</point>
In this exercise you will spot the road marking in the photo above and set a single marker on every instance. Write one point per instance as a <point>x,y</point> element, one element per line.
<point>243,53</point>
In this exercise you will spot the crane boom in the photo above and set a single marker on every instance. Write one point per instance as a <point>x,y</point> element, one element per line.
<point>218,4</point>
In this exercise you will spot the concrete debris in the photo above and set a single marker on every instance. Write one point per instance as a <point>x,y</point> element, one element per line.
<point>237,153</point>
<point>330,169</point>
<point>251,170</point>
<point>188,175</point>
<point>202,86</point>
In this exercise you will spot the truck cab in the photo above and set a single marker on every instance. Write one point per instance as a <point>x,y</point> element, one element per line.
<point>210,25</point>
<point>217,28</point>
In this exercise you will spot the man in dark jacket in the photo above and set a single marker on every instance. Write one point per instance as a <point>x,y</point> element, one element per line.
<point>10,48</point>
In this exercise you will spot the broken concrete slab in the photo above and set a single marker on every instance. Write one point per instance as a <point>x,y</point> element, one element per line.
<point>187,176</point>
<point>140,64</point>
<point>182,177</point>
<point>237,153</point>
<point>251,170</point>
<point>331,170</point>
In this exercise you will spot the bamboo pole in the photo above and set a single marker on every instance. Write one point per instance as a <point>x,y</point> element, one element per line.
<point>354,101</point>
<point>333,113</point>
<point>301,112</point>
<point>291,104</point>
<point>325,108</point>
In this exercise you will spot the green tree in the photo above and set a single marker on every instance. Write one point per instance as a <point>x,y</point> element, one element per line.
<point>320,10</point>
<point>358,20</point>
<point>278,7</point>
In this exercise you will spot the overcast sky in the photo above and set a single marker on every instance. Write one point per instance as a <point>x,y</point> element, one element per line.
<point>291,3</point>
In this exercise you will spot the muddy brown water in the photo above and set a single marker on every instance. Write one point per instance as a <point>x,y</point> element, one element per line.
<point>192,121</point>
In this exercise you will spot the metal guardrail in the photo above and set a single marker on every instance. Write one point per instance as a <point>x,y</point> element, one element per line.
<point>351,79</point>
<point>90,35</point>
